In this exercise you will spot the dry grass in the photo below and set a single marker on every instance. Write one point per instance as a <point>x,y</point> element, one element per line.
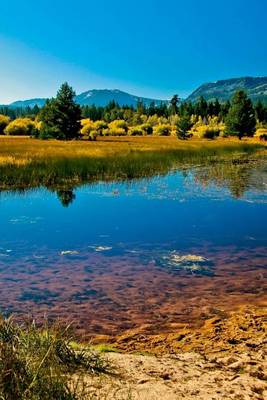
<point>26,162</point>
<point>13,149</point>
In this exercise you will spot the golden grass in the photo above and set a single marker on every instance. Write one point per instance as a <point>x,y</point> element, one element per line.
<point>27,163</point>
<point>23,150</point>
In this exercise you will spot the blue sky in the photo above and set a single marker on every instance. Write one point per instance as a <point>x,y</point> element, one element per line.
<point>150,47</point>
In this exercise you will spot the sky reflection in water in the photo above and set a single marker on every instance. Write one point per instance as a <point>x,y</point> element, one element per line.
<point>116,249</point>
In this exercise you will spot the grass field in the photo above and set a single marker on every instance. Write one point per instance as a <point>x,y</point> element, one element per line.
<point>26,162</point>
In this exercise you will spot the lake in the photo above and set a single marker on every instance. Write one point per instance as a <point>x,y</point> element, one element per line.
<point>154,253</point>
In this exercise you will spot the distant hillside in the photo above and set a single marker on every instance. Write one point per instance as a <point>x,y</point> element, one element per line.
<point>256,88</point>
<point>105,96</point>
<point>28,103</point>
<point>96,97</point>
<point>223,90</point>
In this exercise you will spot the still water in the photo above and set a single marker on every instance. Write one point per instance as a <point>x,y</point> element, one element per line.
<point>154,253</point>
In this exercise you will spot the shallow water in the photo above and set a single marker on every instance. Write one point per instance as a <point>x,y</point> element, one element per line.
<point>155,253</point>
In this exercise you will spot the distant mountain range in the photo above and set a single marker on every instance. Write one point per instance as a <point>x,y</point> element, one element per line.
<point>98,97</point>
<point>256,88</point>
<point>223,90</point>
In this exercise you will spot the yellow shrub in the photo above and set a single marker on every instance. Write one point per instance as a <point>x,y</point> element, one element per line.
<point>86,121</point>
<point>118,123</point>
<point>4,121</point>
<point>21,126</point>
<point>136,131</point>
<point>153,120</point>
<point>87,128</point>
<point>100,125</point>
<point>115,132</point>
<point>206,131</point>
<point>261,131</point>
<point>163,130</point>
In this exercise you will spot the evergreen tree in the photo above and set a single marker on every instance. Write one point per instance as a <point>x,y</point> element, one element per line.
<point>241,120</point>
<point>61,116</point>
<point>216,108</point>
<point>140,107</point>
<point>174,104</point>
<point>225,107</point>
<point>201,107</point>
<point>151,109</point>
<point>183,126</point>
<point>261,112</point>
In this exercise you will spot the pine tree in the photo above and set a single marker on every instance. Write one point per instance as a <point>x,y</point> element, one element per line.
<point>174,104</point>
<point>241,120</point>
<point>260,111</point>
<point>61,116</point>
<point>201,107</point>
<point>183,126</point>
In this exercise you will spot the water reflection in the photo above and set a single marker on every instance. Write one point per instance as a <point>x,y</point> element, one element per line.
<point>152,252</point>
<point>66,197</point>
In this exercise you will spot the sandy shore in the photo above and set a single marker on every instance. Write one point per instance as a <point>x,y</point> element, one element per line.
<point>223,360</point>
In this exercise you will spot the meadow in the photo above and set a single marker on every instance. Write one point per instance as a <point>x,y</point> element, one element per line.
<point>27,162</point>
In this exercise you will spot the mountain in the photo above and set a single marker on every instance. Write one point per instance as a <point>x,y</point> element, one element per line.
<point>98,97</point>
<point>223,90</point>
<point>28,103</point>
<point>256,88</point>
<point>105,96</point>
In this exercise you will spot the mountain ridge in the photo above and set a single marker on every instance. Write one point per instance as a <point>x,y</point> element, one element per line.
<point>256,88</point>
<point>98,97</point>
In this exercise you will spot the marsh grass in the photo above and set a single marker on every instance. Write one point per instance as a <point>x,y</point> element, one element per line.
<point>43,364</point>
<point>28,163</point>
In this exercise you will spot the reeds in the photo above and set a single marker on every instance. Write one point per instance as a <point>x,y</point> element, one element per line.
<point>28,163</point>
<point>43,364</point>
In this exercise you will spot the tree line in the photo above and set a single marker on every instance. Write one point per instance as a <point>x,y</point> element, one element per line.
<point>62,118</point>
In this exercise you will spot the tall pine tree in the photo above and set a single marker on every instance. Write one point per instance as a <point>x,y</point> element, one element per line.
<point>61,116</point>
<point>241,120</point>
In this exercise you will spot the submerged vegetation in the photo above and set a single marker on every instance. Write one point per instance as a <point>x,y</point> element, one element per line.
<point>42,363</point>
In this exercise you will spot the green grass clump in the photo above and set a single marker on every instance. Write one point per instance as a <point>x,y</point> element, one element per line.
<point>42,364</point>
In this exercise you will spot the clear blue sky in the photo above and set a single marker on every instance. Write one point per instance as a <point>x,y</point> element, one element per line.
<point>147,47</point>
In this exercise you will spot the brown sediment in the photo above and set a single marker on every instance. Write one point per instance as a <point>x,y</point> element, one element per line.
<point>118,298</point>
<point>244,329</point>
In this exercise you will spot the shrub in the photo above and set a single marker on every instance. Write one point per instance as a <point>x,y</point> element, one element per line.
<point>210,133</point>
<point>136,131</point>
<point>86,121</point>
<point>87,128</point>
<point>48,132</point>
<point>93,135</point>
<point>263,137</point>
<point>163,130</point>
<point>118,124</point>
<point>147,128</point>
<point>106,132</point>
<point>99,126</point>
<point>4,121</point>
<point>21,126</point>
<point>116,132</point>
<point>206,131</point>
<point>261,131</point>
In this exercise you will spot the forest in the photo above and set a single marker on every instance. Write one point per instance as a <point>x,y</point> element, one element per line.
<point>62,118</point>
